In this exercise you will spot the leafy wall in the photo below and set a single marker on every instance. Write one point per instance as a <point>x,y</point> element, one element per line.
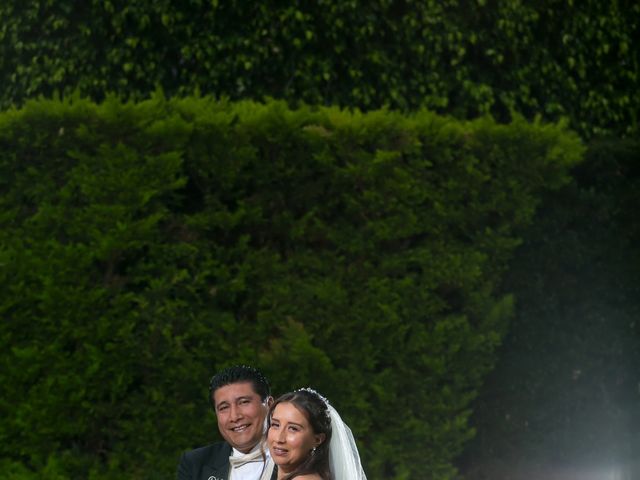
<point>555,58</point>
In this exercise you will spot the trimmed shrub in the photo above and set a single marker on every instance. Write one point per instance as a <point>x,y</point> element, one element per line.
<point>145,245</point>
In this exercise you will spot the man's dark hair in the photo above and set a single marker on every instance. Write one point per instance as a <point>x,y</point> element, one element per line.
<point>239,374</point>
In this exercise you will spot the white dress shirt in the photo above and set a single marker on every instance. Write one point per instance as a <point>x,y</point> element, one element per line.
<point>251,466</point>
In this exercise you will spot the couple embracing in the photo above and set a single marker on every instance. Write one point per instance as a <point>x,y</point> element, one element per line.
<point>297,436</point>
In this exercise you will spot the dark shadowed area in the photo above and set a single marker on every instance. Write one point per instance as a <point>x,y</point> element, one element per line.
<point>564,400</point>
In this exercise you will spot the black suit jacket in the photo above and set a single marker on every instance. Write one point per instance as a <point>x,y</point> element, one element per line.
<point>207,463</point>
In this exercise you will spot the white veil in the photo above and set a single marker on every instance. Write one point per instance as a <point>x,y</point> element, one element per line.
<point>344,459</point>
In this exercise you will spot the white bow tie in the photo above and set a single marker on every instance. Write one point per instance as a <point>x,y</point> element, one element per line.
<point>239,461</point>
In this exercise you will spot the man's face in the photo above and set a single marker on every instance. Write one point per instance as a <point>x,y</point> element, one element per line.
<point>240,413</point>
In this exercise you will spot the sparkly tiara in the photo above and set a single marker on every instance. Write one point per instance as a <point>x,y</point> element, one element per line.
<point>314,392</point>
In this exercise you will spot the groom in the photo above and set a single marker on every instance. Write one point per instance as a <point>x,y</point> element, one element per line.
<point>240,397</point>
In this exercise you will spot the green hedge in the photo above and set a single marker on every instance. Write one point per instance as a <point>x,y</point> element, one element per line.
<point>145,245</point>
<point>553,57</point>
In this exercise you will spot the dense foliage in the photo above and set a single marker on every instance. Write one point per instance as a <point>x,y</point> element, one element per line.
<point>552,58</point>
<point>566,387</point>
<point>145,245</point>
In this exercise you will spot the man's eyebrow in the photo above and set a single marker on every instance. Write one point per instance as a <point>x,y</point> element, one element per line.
<point>245,397</point>
<point>235,400</point>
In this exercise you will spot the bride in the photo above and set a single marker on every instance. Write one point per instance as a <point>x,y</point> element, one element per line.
<point>308,440</point>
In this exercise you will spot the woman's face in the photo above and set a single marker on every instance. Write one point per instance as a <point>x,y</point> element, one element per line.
<point>291,438</point>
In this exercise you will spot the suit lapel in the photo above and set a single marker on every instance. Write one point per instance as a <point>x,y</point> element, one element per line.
<point>217,467</point>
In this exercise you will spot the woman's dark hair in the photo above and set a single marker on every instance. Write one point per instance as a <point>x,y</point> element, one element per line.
<point>314,407</point>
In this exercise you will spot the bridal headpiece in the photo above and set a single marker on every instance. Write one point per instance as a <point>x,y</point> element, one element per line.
<point>317,394</point>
